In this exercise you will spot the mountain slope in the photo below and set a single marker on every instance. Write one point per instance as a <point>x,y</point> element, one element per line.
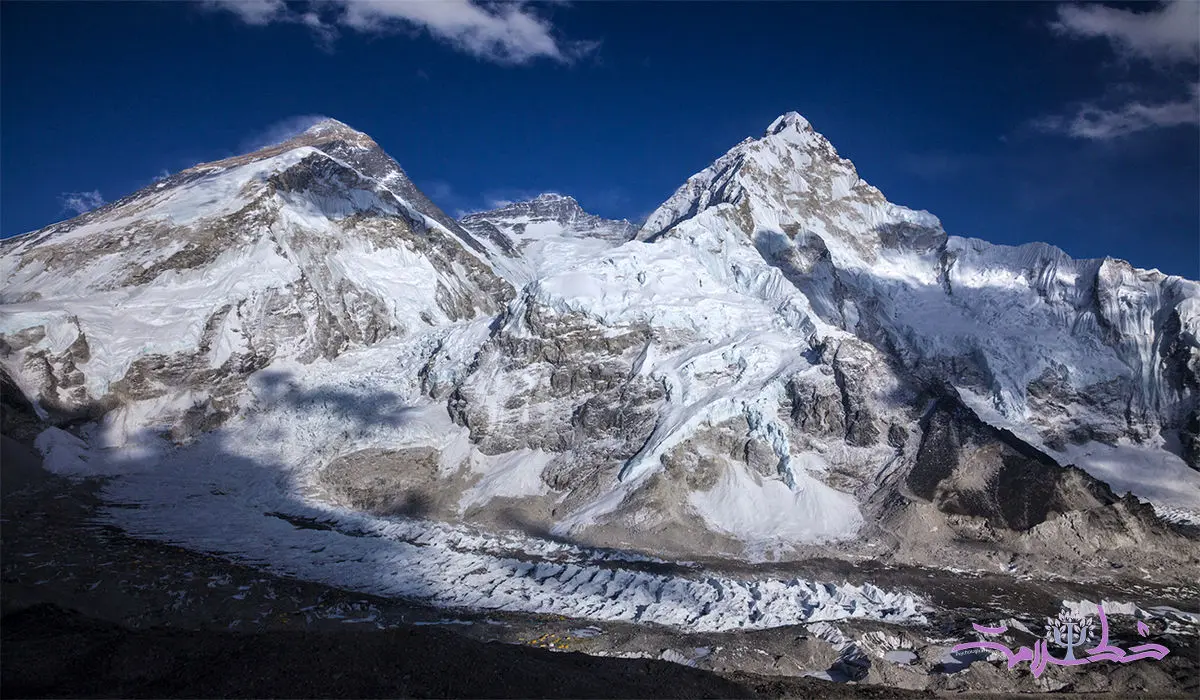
<point>757,365</point>
<point>1065,352</point>
<point>779,364</point>
<point>174,294</point>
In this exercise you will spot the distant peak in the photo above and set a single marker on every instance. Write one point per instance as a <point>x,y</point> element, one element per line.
<point>542,202</point>
<point>553,197</point>
<point>550,205</point>
<point>545,201</point>
<point>792,120</point>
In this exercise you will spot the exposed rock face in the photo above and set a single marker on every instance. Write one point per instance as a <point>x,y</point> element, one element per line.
<point>779,363</point>
<point>981,494</point>
<point>966,467</point>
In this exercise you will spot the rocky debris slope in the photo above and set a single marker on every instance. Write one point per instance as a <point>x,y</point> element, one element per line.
<point>781,363</point>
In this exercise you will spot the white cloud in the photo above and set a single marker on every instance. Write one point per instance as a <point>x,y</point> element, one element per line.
<point>1167,35</point>
<point>81,202</point>
<point>1167,32</point>
<point>509,33</point>
<point>1097,124</point>
<point>256,12</point>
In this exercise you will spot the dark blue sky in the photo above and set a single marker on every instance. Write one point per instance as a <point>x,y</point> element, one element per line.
<point>965,109</point>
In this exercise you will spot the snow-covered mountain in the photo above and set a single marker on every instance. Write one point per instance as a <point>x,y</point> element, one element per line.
<point>779,363</point>
<point>549,214</point>
<point>162,303</point>
<point>1009,326</point>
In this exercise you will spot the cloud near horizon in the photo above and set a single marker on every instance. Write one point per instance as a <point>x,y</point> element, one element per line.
<point>1169,33</point>
<point>508,34</point>
<point>1166,35</point>
<point>1097,124</point>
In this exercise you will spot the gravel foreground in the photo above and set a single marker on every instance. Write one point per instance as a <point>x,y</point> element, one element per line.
<point>49,652</point>
<point>84,615</point>
<point>90,612</point>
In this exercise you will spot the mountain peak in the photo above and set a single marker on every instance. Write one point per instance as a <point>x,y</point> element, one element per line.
<point>328,135</point>
<point>331,130</point>
<point>793,176</point>
<point>328,126</point>
<point>792,120</point>
<point>553,197</point>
